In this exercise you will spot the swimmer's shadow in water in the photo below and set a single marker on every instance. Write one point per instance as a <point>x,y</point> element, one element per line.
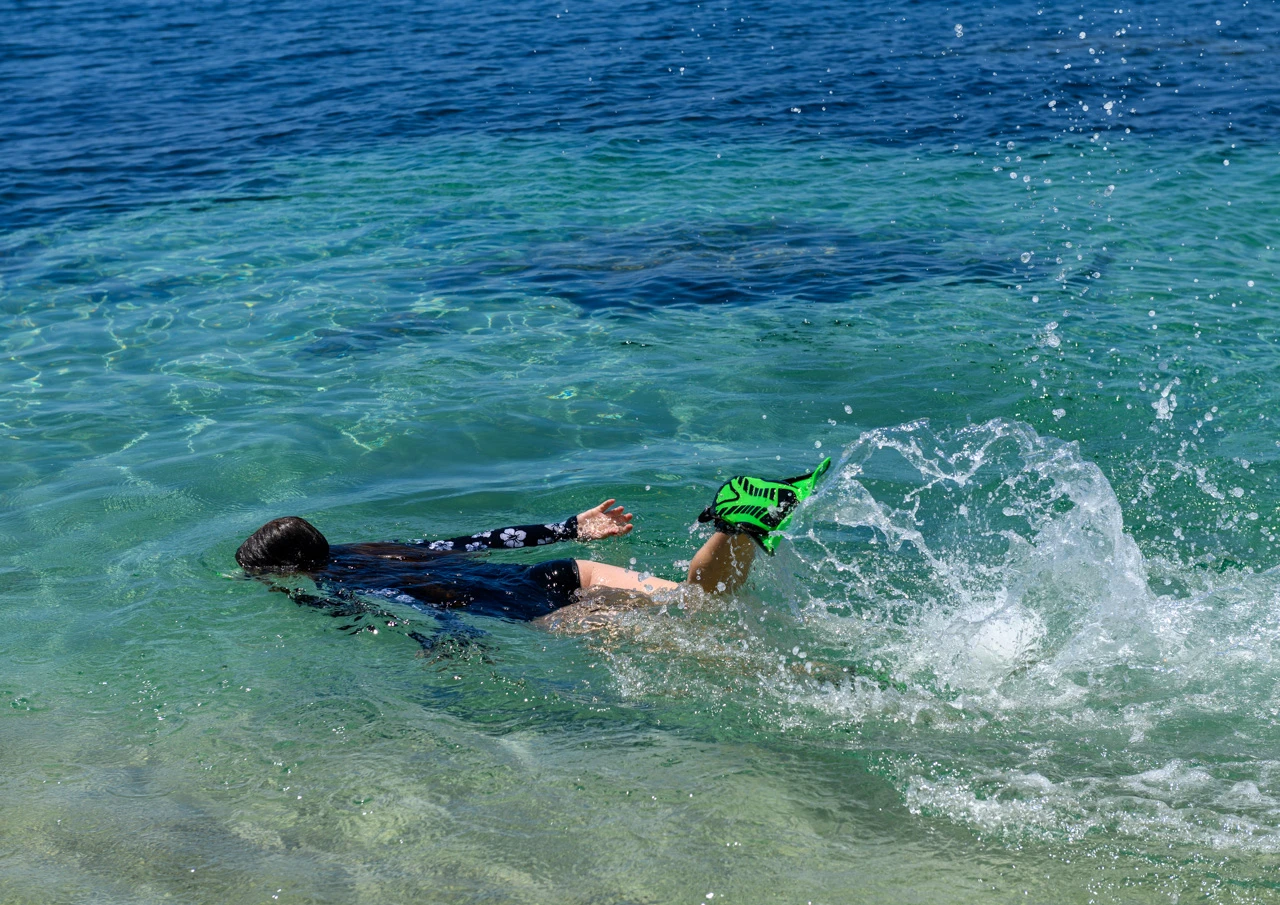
<point>452,639</point>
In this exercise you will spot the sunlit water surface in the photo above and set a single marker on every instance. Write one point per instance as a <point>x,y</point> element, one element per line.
<point>1023,644</point>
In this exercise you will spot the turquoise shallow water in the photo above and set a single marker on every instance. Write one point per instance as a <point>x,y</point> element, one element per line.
<point>1023,645</point>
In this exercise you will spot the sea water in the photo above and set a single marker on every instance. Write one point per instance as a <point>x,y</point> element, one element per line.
<point>419,271</point>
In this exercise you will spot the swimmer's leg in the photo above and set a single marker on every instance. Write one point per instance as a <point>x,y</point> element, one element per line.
<point>723,563</point>
<point>599,575</point>
<point>719,567</point>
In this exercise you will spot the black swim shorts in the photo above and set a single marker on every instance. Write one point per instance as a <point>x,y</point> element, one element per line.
<point>560,579</point>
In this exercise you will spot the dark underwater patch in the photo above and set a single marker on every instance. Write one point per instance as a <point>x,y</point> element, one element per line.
<point>732,264</point>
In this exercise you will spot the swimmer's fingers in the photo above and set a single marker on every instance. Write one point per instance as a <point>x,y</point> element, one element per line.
<point>601,521</point>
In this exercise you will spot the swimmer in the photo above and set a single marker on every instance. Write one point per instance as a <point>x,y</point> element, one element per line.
<point>440,573</point>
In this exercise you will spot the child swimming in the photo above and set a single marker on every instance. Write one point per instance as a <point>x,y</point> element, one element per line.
<point>440,573</point>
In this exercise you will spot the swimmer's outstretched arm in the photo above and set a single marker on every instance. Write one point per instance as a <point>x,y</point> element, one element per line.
<point>593,524</point>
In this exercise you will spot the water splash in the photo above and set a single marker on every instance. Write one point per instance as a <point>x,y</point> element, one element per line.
<point>978,588</point>
<point>971,557</point>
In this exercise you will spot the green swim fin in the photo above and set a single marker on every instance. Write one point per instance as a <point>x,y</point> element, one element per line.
<point>758,506</point>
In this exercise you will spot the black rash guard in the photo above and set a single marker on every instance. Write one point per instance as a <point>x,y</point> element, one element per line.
<point>437,576</point>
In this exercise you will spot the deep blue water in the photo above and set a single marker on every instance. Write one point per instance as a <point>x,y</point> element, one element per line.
<point>109,108</point>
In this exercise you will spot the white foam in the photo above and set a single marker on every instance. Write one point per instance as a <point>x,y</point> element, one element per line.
<point>979,584</point>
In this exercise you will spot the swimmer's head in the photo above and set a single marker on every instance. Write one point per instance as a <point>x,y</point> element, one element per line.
<point>286,544</point>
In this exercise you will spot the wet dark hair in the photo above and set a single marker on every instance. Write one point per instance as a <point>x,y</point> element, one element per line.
<point>284,544</point>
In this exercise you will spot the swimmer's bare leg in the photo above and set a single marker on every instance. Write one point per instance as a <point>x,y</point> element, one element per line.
<point>599,575</point>
<point>719,567</point>
<point>723,563</point>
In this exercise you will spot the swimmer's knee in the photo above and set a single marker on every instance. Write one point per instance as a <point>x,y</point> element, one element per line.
<point>585,572</point>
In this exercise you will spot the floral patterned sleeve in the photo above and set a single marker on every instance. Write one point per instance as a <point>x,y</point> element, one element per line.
<point>509,538</point>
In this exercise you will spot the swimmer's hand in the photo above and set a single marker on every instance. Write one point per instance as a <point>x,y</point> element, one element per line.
<point>601,521</point>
